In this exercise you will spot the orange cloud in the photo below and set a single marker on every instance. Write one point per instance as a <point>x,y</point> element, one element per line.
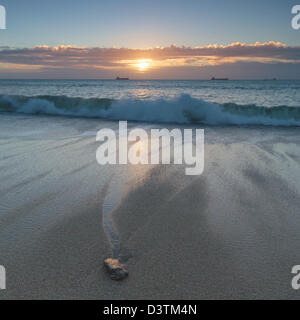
<point>80,58</point>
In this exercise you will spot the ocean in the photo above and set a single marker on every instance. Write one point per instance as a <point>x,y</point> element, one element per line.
<point>62,213</point>
<point>268,102</point>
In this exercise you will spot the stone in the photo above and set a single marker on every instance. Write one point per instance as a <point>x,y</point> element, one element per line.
<point>115,268</point>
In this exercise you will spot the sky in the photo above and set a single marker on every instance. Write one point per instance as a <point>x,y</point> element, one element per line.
<point>166,39</point>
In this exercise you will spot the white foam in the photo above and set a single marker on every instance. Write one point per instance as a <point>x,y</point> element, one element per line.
<point>183,109</point>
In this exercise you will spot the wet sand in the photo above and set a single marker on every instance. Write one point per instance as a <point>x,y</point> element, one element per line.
<point>232,232</point>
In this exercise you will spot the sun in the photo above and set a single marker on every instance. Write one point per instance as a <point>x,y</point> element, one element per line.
<point>143,65</point>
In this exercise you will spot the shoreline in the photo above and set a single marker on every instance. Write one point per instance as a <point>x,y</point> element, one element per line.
<point>230,233</point>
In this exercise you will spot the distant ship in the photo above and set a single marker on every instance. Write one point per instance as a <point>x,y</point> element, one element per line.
<point>118,78</point>
<point>213,78</point>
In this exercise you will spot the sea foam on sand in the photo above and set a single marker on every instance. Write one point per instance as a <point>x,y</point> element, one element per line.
<point>232,232</point>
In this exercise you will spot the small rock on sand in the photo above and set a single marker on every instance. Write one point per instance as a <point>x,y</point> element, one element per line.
<point>115,269</point>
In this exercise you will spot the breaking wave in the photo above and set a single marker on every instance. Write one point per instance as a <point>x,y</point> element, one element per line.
<point>181,110</point>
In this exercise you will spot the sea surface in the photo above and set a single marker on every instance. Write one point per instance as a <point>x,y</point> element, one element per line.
<point>62,214</point>
<point>269,102</point>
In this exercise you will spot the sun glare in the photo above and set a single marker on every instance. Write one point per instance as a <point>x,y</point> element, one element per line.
<point>143,65</point>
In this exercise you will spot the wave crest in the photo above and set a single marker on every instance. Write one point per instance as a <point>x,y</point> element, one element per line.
<point>184,109</point>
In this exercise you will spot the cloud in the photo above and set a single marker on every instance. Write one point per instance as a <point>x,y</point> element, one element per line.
<point>45,58</point>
